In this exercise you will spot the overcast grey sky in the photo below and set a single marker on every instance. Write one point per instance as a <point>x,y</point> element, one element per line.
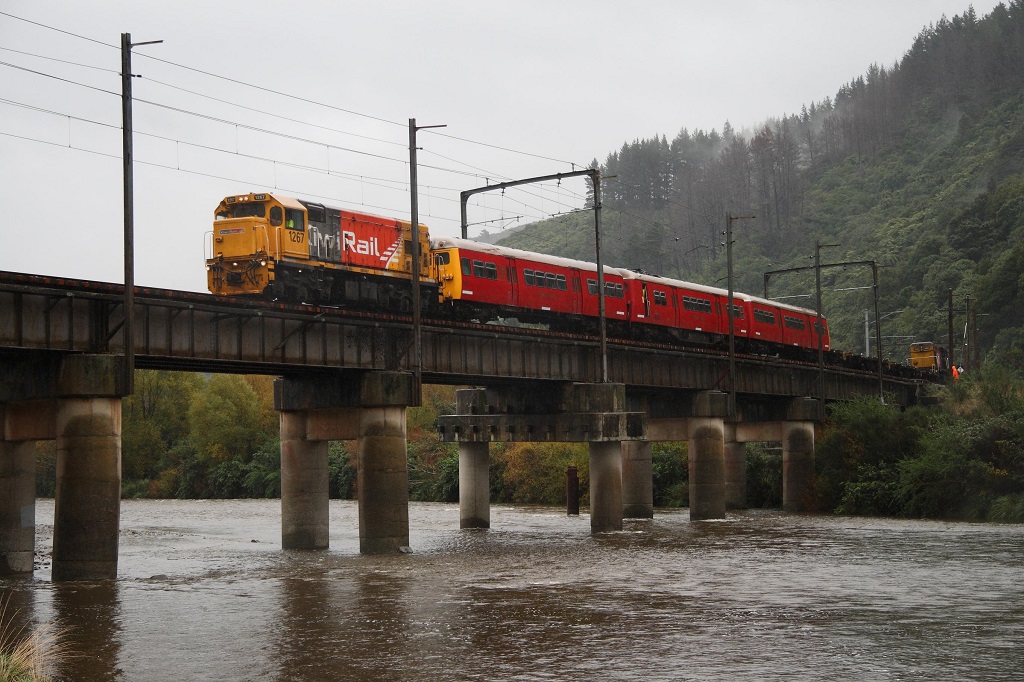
<point>525,88</point>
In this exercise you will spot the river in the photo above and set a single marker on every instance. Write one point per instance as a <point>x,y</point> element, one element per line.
<point>204,592</point>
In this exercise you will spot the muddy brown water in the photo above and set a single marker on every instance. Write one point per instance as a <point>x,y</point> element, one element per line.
<point>204,592</point>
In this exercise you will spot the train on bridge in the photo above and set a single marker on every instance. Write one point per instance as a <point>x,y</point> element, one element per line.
<point>277,247</point>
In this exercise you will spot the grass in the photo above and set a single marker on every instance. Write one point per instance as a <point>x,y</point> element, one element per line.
<point>28,655</point>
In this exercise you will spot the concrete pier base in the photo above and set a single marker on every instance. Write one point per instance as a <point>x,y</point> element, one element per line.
<point>798,467</point>
<point>383,481</point>
<point>605,486</point>
<point>17,506</point>
<point>735,470</point>
<point>474,485</point>
<point>305,520</point>
<point>707,468</point>
<point>87,509</point>
<point>637,480</point>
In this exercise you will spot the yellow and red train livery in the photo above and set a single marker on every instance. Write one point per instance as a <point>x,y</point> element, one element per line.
<point>278,247</point>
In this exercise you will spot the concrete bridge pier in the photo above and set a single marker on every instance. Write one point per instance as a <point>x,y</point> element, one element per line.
<point>707,468</point>
<point>606,509</point>
<point>87,507</point>
<point>474,485</point>
<point>304,486</point>
<point>798,466</point>
<point>735,470</point>
<point>383,481</point>
<point>17,506</point>
<point>74,399</point>
<point>556,412</point>
<point>368,407</point>
<point>637,480</point>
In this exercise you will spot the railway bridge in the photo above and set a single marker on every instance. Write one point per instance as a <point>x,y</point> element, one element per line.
<point>348,375</point>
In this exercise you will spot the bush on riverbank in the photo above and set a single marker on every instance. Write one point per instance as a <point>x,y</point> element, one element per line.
<point>964,460</point>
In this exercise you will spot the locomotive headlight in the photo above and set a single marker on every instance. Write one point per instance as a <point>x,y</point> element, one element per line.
<point>234,265</point>
<point>263,262</point>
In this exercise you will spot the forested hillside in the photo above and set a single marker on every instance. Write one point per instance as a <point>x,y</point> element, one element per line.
<point>918,166</point>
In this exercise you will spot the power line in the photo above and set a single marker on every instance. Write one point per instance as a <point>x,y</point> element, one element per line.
<point>223,121</point>
<point>275,162</point>
<point>58,30</point>
<point>62,61</point>
<point>217,119</point>
<point>295,97</point>
<point>223,177</point>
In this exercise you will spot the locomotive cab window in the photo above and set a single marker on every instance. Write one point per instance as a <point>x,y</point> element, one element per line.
<point>293,219</point>
<point>443,258</point>
<point>254,210</point>
<point>276,216</point>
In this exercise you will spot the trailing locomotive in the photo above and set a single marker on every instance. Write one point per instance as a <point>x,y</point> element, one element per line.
<point>929,356</point>
<point>282,248</point>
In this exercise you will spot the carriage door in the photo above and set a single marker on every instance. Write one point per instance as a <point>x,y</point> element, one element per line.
<point>512,287</point>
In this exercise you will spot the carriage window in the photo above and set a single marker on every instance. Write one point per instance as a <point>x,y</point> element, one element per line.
<point>560,282</point>
<point>793,322</point>
<point>550,277</point>
<point>592,287</point>
<point>737,312</point>
<point>764,316</point>
<point>660,298</point>
<point>700,305</point>
<point>491,270</point>
<point>478,269</point>
<point>276,216</point>
<point>465,267</point>
<point>528,277</point>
